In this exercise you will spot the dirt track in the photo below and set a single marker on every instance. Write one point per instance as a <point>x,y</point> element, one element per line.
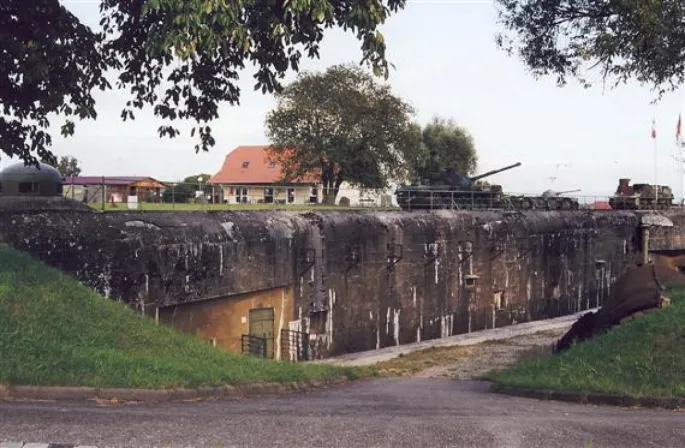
<point>472,362</point>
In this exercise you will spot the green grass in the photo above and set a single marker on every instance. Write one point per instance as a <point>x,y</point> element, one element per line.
<point>216,207</point>
<point>642,357</point>
<point>55,331</point>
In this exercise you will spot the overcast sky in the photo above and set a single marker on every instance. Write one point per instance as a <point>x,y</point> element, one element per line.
<point>447,64</point>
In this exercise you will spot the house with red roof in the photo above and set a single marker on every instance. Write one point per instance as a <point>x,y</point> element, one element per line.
<point>250,176</point>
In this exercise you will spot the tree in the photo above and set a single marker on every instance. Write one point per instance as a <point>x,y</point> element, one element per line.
<point>185,190</point>
<point>68,166</point>
<point>625,39</point>
<point>181,58</point>
<point>445,145</point>
<point>341,125</point>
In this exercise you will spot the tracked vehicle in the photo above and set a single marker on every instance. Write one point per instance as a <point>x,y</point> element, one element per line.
<point>548,200</point>
<point>449,189</point>
<point>641,196</point>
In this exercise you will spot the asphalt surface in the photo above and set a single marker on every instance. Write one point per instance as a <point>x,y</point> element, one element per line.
<point>414,412</point>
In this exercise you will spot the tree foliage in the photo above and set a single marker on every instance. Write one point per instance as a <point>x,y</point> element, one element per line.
<point>68,166</point>
<point>186,190</point>
<point>180,58</point>
<point>625,39</point>
<point>445,144</point>
<point>342,126</point>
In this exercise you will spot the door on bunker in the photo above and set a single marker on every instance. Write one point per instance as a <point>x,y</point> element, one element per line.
<point>262,326</point>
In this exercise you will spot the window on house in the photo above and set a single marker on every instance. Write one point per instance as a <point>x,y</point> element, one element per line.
<point>314,195</point>
<point>246,164</point>
<point>26,187</point>
<point>291,195</point>
<point>241,195</point>
<point>272,164</point>
<point>268,195</point>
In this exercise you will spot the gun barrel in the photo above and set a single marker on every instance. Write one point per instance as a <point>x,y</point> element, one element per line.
<point>569,191</point>
<point>490,173</point>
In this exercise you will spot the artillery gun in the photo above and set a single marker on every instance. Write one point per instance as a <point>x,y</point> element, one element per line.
<point>641,196</point>
<point>450,189</point>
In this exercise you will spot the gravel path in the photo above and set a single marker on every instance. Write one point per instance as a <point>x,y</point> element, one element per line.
<point>481,359</point>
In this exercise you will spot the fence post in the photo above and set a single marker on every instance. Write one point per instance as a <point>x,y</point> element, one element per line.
<point>104,201</point>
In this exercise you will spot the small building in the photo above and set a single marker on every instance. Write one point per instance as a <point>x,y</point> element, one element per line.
<point>248,176</point>
<point>20,179</point>
<point>113,189</point>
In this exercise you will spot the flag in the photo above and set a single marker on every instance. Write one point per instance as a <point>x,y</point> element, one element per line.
<point>654,129</point>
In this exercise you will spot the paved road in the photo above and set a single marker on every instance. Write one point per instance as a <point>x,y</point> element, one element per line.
<point>414,412</point>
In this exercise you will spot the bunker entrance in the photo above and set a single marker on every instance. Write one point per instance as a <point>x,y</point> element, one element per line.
<point>262,326</point>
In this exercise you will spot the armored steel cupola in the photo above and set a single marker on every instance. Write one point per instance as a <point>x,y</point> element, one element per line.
<point>31,180</point>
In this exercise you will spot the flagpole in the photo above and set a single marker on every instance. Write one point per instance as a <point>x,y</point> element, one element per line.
<point>656,189</point>
<point>680,145</point>
<point>679,160</point>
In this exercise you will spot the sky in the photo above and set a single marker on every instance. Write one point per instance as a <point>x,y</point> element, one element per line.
<point>446,64</point>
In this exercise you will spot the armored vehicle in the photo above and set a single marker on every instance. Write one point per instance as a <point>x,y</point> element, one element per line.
<point>548,200</point>
<point>641,196</point>
<point>450,189</point>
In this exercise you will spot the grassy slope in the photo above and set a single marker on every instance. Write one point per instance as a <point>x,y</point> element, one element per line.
<point>643,357</point>
<point>55,331</point>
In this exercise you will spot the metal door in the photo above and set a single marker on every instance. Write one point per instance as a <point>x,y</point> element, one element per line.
<point>262,326</point>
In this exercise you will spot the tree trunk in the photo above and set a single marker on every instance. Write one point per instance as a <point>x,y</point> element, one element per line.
<point>328,184</point>
<point>336,186</point>
<point>329,193</point>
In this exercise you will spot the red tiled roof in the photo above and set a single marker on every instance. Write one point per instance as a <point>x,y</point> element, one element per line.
<point>251,165</point>
<point>107,180</point>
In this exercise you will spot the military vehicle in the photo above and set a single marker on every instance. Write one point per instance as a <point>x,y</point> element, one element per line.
<point>450,189</point>
<point>548,200</point>
<point>641,196</point>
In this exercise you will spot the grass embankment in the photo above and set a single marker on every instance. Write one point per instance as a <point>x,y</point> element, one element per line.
<point>56,331</point>
<point>643,357</point>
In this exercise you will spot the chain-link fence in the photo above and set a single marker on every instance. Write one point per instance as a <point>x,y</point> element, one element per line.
<point>121,194</point>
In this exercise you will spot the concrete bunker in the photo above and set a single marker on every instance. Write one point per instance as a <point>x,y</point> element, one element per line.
<point>20,179</point>
<point>339,282</point>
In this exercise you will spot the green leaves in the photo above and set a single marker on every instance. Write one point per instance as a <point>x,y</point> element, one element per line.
<point>179,57</point>
<point>340,125</point>
<point>624,39</point>
<point>49,64</point>
<point>445,145</point>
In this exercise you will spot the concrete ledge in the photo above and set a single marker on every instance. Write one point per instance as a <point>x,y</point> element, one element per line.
<point>590,398</point>
<point>66,393</point>
<point>477,337</point>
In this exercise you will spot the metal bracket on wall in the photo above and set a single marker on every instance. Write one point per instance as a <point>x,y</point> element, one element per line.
<point>308,259</point>
<point>431,252</point>
<point>395,253</point>
<point>468,250</point>
<point>530,248</point>
<point>353,257</point>
<point>497,248</point>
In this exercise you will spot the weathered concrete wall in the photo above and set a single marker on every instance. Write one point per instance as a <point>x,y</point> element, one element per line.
<point>360,280</point>
<point>223,321</point>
